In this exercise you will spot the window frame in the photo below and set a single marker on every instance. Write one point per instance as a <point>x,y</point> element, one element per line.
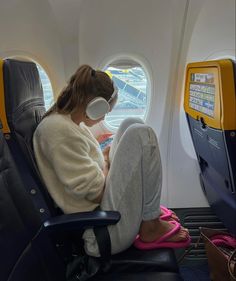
<point>143,63</point>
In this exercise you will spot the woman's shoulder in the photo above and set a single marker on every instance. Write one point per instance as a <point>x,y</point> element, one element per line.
<point>57,126</point>
<point>54,121</point>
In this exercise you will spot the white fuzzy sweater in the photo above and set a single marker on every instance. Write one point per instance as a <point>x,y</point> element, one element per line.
<point>70,161</point>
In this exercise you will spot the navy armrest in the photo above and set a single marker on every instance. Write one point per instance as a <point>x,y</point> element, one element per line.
<point>80,221</point>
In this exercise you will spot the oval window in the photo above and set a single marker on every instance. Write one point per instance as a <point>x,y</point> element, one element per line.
<point>47,87</point>
<point>131,81</point>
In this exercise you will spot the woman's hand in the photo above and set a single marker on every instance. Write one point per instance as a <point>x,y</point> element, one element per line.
<point>105,172</point>
<point>106,153</point>
<point>106,160</point>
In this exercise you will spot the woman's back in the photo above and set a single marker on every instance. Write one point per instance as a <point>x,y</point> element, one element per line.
<point>70,162</point>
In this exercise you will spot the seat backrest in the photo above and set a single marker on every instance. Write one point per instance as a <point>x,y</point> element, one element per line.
<point>23,100</point>
<point>24,255</point>
<point>24,106</point>
<point>210,105</point>
<point>24,198</point>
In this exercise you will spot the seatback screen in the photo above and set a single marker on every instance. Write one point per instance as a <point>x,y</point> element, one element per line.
<point>202,93</point>
<point>209,93</point>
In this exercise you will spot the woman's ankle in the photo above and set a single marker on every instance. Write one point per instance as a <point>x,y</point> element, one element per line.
<point>155,229</point>
<point>149,230</point>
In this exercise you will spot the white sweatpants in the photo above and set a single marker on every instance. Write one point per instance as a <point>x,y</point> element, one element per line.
<point>133,184</point>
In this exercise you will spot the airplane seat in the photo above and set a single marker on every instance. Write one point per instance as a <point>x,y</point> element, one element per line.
<point>21,249</point>
<point>210,106</point>
<point>23,113</point>
<point>27,238</point>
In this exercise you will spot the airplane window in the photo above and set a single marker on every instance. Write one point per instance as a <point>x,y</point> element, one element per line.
<point>47,87</point>
<point>132,99</point>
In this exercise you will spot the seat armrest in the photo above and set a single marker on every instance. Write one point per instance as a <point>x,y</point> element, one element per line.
<point>80,221</point>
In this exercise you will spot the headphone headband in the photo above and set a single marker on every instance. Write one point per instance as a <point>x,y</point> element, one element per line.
<point>115,92</point>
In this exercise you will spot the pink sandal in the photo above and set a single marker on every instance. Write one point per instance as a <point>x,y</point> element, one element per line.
<point>167,214</point>
<point>162,242</point>
<point>224,240</point>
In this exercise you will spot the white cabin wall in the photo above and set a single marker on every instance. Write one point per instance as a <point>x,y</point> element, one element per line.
<point>162,35</point>
<point>66,14</point>
<point>28,29</point>
<point>211,37</point>
<point>147,30</point>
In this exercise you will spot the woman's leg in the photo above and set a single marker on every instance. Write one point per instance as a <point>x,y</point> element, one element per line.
<point>133,184</point>
<point>133,187</point>
<point>122,128</point>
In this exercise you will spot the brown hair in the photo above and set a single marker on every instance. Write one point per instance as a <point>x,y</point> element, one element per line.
<point>84,84</point>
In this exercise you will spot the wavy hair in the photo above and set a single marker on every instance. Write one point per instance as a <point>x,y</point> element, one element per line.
<point>85,84</point>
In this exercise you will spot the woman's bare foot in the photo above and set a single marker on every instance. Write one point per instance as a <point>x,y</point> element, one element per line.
<point>155,229</point>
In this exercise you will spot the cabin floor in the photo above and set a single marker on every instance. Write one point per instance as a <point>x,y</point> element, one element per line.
<point>193,264</point>
<point>195,273</point>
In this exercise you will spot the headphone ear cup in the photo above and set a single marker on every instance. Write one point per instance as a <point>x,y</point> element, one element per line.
<point>97,108</point>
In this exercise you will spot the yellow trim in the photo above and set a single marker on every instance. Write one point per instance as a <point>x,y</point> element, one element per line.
<point>3,116</point>
<point>109,73</point>
<point>225,97</point>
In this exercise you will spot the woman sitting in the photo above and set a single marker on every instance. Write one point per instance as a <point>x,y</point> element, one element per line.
<point>126,178</point>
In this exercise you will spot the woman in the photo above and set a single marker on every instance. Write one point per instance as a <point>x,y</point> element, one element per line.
<point>79,176</point>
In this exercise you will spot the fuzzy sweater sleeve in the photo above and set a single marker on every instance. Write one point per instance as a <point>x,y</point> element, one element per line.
<point>75,168</point>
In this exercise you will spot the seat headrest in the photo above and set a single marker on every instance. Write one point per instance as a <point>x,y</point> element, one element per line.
<point>24,100</point>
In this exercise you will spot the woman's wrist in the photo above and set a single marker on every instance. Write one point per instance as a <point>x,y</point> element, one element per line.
<point>107,163</point>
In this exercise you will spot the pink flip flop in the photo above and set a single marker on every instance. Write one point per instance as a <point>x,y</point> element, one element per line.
<point>162,242</point>
<point>167,214</point>
<point>224,240</point>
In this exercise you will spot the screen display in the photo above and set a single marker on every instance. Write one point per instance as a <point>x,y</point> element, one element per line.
<point>202,93</point>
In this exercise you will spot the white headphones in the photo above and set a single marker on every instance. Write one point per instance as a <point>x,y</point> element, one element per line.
<point>99,107</point>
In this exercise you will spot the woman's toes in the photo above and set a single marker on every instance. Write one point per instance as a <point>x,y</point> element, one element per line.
<point>179,236</point>
<point>174,217</point>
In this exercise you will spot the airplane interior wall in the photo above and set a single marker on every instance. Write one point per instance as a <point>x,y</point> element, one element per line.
<point>28,30</point>
<point>212,37</point>
<point>163,36</point>
<point>144,31</point>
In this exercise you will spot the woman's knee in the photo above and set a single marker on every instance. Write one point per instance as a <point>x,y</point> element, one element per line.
<point>142,132</point>
<point>126,123</point>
